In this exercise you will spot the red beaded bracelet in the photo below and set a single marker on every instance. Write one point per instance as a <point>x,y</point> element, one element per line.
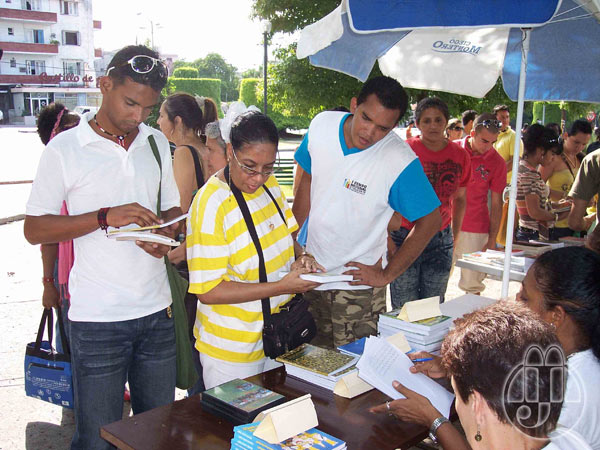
<point>102,212</point>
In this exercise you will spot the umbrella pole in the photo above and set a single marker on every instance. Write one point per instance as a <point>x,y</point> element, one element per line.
<point>515,163</point>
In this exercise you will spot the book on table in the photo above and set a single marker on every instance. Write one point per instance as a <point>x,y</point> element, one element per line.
<point>423,327</point>
<point>317,365</point>
<point>244,438</point>
<point>354,348</point>
<point>239,401</point>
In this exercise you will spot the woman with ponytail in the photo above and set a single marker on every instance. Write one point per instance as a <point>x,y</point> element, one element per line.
<point>563,287</point>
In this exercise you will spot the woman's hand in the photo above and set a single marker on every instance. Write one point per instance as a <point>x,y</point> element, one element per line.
<point>309,262</point>
<point>432,368</point>
<point>293,284</point>
<point>177,254</point>
<point>414,408</point>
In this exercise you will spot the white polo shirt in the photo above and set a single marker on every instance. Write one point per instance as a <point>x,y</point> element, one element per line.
<point>110,281</point>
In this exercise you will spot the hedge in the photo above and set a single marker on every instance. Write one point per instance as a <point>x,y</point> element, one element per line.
<point>205,87</point>
<point>248,88</point>
<point>185,72</point>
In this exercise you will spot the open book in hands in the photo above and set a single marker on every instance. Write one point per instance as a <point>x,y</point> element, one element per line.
<point>145,234</point>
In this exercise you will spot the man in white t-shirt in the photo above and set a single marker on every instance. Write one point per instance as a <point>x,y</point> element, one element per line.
<point>121,326</point>
<point>357,173</point>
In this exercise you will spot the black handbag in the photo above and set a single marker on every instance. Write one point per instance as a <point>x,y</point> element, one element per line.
<point>293,325</point>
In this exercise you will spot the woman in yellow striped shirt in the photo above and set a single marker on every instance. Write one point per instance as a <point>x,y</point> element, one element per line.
<point>223,262</point>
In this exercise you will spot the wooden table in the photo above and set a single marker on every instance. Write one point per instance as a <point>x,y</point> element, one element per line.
<point>184,425</point>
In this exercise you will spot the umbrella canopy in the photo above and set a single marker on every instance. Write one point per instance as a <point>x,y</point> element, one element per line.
<point>463,48</point>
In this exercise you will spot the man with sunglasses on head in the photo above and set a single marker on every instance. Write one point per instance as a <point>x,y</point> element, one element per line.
<point>488,175</point>
<point>121,326</point>
<point>358,171</point>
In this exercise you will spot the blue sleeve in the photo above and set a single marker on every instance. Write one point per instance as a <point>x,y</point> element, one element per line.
<point>302,156</point>
<point>412,194</point>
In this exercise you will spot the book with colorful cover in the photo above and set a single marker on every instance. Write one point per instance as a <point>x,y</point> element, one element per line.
<point>355,348</point>
<point>310,439</point>
<point>316,359</point>
<point>239,401</point>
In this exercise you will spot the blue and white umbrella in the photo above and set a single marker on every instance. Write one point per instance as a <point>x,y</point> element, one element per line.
<point>463,47</point>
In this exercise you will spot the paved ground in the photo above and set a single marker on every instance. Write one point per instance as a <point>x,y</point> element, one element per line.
<point>28,423</point>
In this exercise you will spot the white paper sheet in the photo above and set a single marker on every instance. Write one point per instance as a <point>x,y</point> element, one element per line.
<point>382,363</point>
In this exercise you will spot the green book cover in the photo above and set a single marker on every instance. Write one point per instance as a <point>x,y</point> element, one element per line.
<point>317,359</point>
<point>243,395</point>
<point>425,322</point>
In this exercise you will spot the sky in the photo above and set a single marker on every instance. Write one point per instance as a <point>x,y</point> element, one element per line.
<point>188,28</point>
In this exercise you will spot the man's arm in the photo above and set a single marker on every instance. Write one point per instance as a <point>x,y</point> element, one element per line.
<point>414,244</point>
<point>495,217</point>
<point>50,296</point>
<point>49,229</point>
<point>577,214</point>
<point>459,205</point>
<point>301,206</point>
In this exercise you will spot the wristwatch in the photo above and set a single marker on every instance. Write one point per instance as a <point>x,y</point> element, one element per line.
<point>434,427</point>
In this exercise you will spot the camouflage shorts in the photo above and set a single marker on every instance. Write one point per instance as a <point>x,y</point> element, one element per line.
<point>344,316</point>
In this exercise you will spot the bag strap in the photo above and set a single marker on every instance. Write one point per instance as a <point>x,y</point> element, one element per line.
<point>154,148</point>
<point>197,166</point>
<point>61,328</point>
<point>276,204</point>
<point>262,271</point>
<point>47,318</point>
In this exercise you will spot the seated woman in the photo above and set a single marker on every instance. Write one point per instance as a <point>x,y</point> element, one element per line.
<point>560,173</point>
<point>448,168</point>
<point>484,356</point>
<point>562,287</point>
<point>223,260</point>
<point>540,146</point>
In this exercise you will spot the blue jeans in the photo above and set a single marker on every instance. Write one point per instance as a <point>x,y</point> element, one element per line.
<point>428,275</point>
<point>107,354</point>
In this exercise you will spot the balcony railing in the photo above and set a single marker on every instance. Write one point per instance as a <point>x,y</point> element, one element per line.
<point>26,47</point>
<point>27,15</point>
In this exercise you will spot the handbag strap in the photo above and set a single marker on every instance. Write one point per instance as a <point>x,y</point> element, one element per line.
<point>262,271</point>
<point>47,318</point>
<point>61,329</point>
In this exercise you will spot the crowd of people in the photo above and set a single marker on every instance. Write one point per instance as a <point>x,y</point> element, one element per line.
<point>384,210</point>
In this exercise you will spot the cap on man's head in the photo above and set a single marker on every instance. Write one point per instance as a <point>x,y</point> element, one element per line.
<point>140,64</point>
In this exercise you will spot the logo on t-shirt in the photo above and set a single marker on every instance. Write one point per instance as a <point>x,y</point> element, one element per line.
<point>483,172</point>
<point>355,186</point>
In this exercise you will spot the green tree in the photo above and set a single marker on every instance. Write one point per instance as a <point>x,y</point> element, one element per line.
<point>214,66</point>
<point>253,73</point>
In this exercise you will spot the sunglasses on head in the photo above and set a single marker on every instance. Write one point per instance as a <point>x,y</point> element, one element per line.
<point>143,64</point>
<point>490,123</point>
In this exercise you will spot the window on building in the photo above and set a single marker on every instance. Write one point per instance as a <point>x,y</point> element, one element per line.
<point>71,38</point>
<point>38,36</point>
<point>73,67</point>
<point>13,62</point>
<point>68,8</point>
<point>30,5</point>
<point>69,100</point>
<point>35,67</point>
<point>11,31</point>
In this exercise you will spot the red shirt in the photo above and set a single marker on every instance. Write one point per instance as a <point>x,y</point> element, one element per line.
<point>488,174</point>
<point>447,170</point>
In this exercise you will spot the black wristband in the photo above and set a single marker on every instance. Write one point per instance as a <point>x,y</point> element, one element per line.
<point>102,213</point>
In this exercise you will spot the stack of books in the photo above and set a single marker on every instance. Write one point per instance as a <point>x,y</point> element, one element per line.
<point>239,401</point>
<point>496,258</point>
<point>426,334</point>
<point>317,365</point>
<point>244,439</point>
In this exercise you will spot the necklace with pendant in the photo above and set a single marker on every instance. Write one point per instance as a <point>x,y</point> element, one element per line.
<point>119,138</point>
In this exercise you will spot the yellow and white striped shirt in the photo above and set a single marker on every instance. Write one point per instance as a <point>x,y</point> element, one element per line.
<point>219,247</point>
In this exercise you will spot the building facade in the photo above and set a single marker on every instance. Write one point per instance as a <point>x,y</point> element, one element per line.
<point>48,55</point>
